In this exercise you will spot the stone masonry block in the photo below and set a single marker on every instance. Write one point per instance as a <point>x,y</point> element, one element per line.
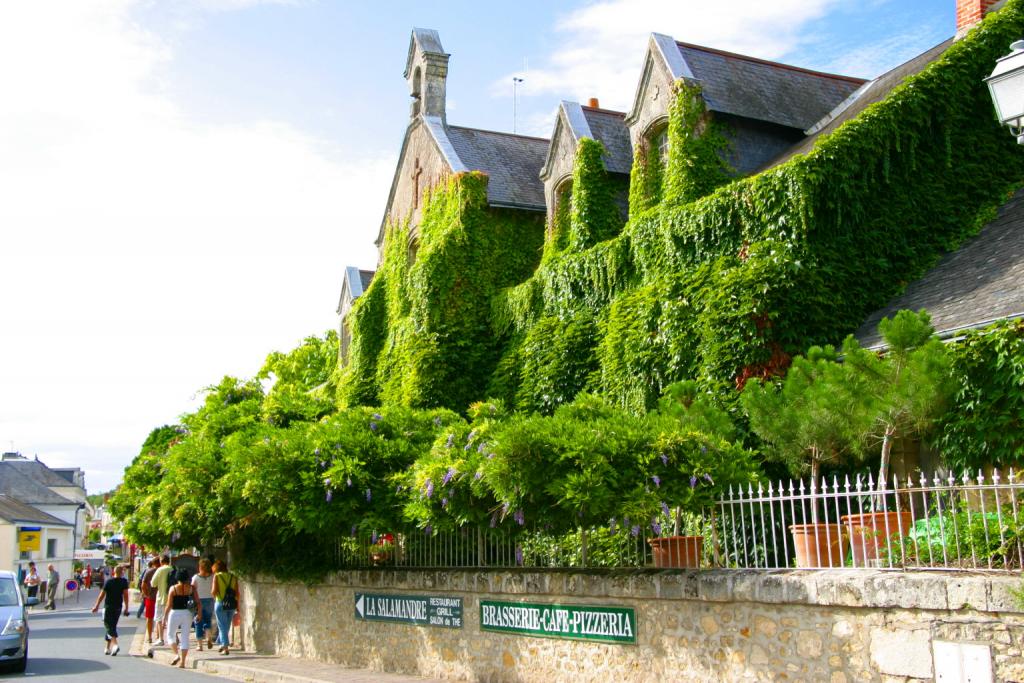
<point>902,653</point>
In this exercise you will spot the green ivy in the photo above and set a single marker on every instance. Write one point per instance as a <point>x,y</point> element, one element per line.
<point>985,425</point>
<point>696,147</point>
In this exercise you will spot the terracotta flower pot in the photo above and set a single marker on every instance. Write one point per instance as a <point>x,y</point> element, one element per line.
<point>870,533</point>
<point>818,545</point>
<point>677,551</point>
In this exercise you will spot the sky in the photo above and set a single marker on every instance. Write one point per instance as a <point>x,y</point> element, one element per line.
<point>182,182</point>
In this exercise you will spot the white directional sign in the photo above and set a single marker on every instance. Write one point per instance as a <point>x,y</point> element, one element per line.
<point>420,610</point>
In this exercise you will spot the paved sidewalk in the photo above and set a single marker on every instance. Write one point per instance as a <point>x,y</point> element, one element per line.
<point>256,668</point>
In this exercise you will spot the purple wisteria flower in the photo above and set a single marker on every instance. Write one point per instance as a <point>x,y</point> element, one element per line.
<point>519,517</point>
<point>450,442</point>
<point>664,510</point>
<point>327,481</point>
<point>373,537</point>
<point>655,527</point>
<point>708,479</point>
<point>481,448</point>
<point>429,488</point>
<point>330,494</point>
<point>323,463</point>
<point>625,521</point>
<point>664,459</point>
<point>437,421</point>
<point>316,451</point>
<point>490,456</point>
<point>611,525</point>
<point>703,449</point>
<point>369,496</point>
<point>478,475</point>
<point>472,435</point>
<point>448,476</point>
<point>519,556</point>
<point>657,480</point>
<point>444,503</point>
<point>635,530</point>
<point>377,416</point>
<point>429,529</point>
<point>693,481</point>
<point>373,426</point>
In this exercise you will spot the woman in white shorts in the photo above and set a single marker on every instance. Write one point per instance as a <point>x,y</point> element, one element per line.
<point>179,617</point>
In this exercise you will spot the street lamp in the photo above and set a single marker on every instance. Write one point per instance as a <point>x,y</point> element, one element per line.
<point>1006,85</point>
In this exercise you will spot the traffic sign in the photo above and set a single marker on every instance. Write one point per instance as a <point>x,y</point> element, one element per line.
<point>71,585</point>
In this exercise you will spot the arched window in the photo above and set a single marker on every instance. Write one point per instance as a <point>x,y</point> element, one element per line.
<point>417,91</point>
<point>658,142</point>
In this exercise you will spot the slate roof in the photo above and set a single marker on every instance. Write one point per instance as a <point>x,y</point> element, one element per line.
<point>979,283</point>
<point>870,93</point>
<point>19,482</point>
<point>15,511</point>
<point>512,162</point>
<point>762,90</point>
<point>365,277</point>
<point>609,127</point>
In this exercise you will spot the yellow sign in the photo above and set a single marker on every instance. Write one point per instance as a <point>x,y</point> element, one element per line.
<point>28,540</point>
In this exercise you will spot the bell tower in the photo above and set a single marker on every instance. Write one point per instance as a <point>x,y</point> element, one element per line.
<point>426,70</point>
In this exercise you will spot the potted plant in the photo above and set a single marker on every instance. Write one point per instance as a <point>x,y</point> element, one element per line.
<point>692,462</point>
<point>906,390</point>
<point>812,419</point>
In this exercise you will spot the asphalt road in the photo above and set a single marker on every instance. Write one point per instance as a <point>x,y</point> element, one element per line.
<point>66,646</point>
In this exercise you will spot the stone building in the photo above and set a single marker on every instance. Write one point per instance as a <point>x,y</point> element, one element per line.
<point>574,122</point>
<point>764,107</point>
<point>352,287</point>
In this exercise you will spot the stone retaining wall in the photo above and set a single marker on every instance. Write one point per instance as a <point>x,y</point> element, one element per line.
<point>834,626</point>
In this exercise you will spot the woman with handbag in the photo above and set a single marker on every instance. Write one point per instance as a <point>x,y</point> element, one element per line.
<point>228,602</point>
<point>178,614</point>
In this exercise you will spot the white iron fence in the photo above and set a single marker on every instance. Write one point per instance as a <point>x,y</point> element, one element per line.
<point>969,522</point>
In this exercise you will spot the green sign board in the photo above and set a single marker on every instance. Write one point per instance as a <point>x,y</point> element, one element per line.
<point>572,622</point>
<point>419,610</point>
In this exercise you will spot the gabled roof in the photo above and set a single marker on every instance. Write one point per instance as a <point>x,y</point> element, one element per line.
<point>354,284</point>
<point>39,472</point>
<point>14,511</point>
<point>763,90</point>
<point>512,162</point>
<point>979,283</point>
<point>868,94</point>
<point>603,125</point>
<point>609,127</point>
<point>19,483</point>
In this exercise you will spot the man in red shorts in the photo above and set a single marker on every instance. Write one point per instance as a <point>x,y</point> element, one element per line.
<point>149,597</point>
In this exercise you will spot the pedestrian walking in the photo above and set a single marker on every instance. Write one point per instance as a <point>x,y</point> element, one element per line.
<point>149,597</point>
<point>228,600</point>
<point>179,617</point>
<point>203,585</point>
<point>87,577</point>
<point>52,581</point>
<point>114,596</point>
<point>161,584</point>
<point>32,581</point>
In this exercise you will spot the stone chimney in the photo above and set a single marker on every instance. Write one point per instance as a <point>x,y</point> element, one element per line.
<point>970,12</point>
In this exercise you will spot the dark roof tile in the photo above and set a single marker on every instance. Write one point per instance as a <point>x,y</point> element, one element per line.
<point>765,91</point>
<point>15,511</point>
<point>980,282</point>
<point>512,162</point>
<point>610,129</point>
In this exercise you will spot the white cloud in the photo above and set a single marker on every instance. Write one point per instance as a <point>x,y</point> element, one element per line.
<point>604,43</point>
<point>148,253</point>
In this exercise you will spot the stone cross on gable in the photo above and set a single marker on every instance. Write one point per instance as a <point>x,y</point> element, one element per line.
<point>415,174</point>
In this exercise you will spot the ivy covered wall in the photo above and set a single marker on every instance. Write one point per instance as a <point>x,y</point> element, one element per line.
<point>422,333</point>
<point>710,279</point>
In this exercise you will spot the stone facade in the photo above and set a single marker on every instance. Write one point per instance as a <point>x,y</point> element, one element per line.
<point>837,626</point>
